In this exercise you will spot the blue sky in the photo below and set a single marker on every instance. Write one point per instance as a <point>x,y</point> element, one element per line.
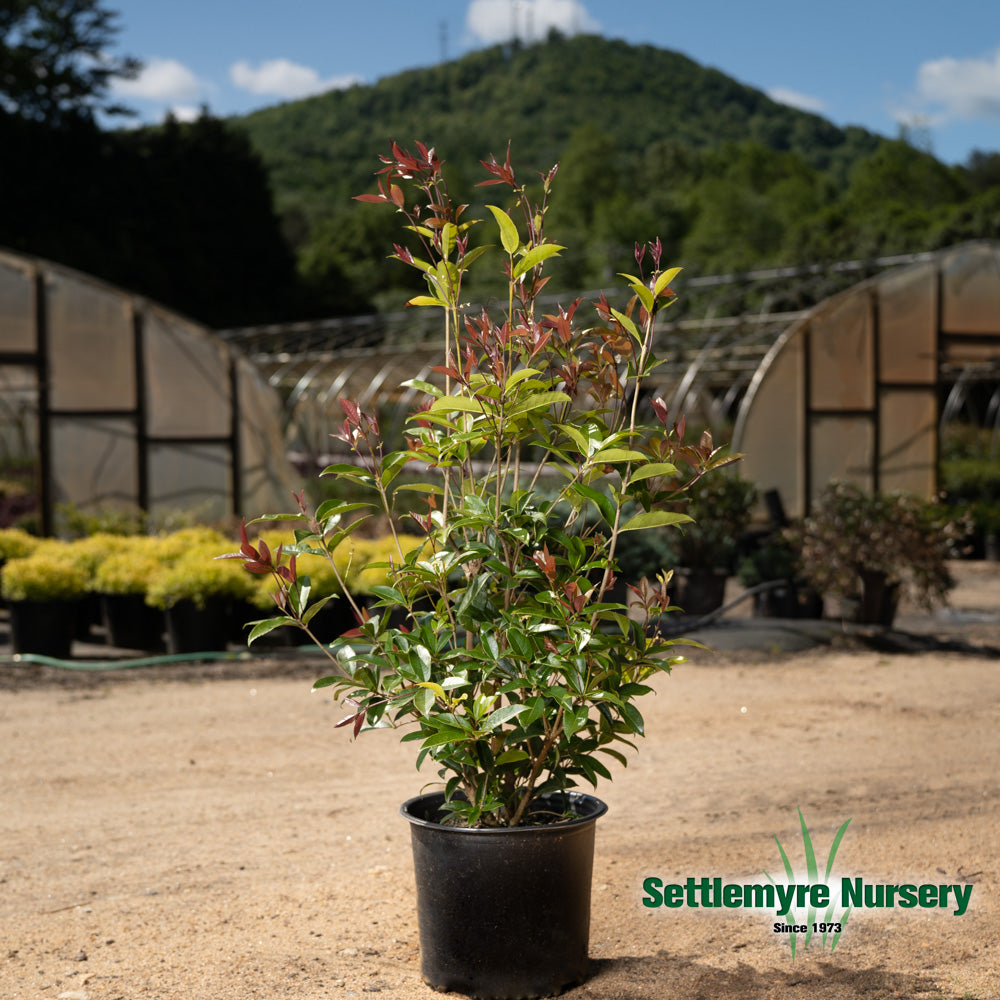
<point>874,63</point>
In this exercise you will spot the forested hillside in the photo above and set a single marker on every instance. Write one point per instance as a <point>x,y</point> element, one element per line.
<point>251,220</point>
<point>649,144</point>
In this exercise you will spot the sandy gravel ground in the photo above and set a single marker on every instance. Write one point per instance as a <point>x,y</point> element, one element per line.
<point>205,833</point>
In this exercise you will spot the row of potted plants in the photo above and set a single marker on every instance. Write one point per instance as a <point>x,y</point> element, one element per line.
<point>151,591</point>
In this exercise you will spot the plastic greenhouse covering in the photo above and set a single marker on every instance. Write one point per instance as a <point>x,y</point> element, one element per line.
<point>115,401</point>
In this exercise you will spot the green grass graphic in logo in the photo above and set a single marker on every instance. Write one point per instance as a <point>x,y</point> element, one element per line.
<point>812,874</point>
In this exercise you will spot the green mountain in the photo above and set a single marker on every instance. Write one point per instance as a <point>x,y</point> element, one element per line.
<point>640,97</point>
<point>650,144</point>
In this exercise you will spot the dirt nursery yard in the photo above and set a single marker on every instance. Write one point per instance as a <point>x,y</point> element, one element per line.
<point>202,831</point>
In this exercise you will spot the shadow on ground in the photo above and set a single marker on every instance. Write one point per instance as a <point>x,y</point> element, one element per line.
<point>644,978</point>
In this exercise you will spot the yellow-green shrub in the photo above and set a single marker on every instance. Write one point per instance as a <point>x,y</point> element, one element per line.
<point>16,543</point>
<point>130,570</point>
<point>198,576</point>
<point>43,576</point>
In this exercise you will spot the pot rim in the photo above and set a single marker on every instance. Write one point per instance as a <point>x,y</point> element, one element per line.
<point>596,809</point>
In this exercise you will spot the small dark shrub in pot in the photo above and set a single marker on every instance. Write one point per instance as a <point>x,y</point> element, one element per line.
<point>869,548</point>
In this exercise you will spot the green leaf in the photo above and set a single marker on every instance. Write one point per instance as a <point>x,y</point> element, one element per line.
<point>448,233</point>
<point>508,231</point>
<point>419,488</point>
<point>283,517</point>
<point>519,376</point>
<point>640,289</point>
<point>600,500</point>
<point>633,718</point>
<point>534,257</point>
<point>503,714</point>
<point>310,613</point>
<point>340,469</point>
<point>423,700</point>
<point>443,736</point>
<point>331,507</point>
<point>664,279</point>
<point>416,383</point>
<point>627,324</point>
<point>448,404</point>
<point>389,594</point>
<point>652,470</point>
<point>612,455</point>
<point>269,625</point>
<point>473,255</point>
<point>538,401</point>
<point>426,300</point>
<point>655,519</point>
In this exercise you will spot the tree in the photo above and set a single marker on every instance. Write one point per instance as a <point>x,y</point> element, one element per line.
<point>55,67</point>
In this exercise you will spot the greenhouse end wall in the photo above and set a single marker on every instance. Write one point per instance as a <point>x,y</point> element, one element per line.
<point>114,401</point>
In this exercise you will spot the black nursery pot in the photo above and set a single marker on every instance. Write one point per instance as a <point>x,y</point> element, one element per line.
<point>46,628</point>
<point>504,913</point>
<point>191,629</point>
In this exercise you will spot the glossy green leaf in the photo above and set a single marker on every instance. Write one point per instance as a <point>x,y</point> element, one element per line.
<point>600,500</point>
<point>627,324</point>
<point>268,625</point>
<point>508,231</point>
<point>449,404</point>
<point>612,455</point>
<point>501,715</point>
<point>535,256</point>
<point>664,280</point>
<point>652,470</point>
<point>655,519</point>
<point>539,401</point>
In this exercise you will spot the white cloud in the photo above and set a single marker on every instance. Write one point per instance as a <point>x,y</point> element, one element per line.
<point>796,100</point>
<point>185,112</point>
<point>492,21</point>
<point>161,80</point>
<point>283,78</point>
<point>967,88</point>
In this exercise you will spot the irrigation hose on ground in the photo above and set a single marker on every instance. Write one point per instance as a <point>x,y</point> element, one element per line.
<point>142,661</point>
<point>207,657</point>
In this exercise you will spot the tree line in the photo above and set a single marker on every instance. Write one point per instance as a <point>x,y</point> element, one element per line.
<point>251,220</point>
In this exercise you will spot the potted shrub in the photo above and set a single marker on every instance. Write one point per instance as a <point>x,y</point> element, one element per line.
<point>510,672</point>
<point>196,594</point>
<point>121,582</point>
<point>88,553</point>
<point>15,543</point>
<point>773,569</point>
<point>706,549</point>
<point>868,548</point>
<point>44,592</point>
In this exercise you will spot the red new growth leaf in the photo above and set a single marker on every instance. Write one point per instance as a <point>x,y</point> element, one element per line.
<point>245,547</point>
<point>660,409</point>
<point>265,552</point>
<point>352,411</point>
<point>546,563</point>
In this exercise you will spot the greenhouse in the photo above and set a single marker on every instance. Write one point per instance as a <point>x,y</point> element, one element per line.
<point>862,386</point>
<point>117,401</point>
<point>108,400</point>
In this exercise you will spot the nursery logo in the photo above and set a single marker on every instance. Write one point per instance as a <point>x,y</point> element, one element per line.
<point>811,909</point>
